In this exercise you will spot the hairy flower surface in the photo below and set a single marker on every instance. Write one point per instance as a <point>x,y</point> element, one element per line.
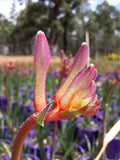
<point>76,96</point>
<point>41,61</point>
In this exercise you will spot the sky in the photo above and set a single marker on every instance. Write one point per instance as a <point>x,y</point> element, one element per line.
<point>5,5</point>
<point>94,3</point>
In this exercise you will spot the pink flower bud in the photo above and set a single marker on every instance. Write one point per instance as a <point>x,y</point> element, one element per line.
<point>41,63</point>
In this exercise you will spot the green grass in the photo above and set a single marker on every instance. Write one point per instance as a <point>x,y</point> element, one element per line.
<point>104,66</point>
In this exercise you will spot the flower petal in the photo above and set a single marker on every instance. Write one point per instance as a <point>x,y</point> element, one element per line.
<point>82,94</point>
<point>78,64</point>
<point>81,82</point>
<point>91,110</point>
<point>41,63</point>
<point>82,111</point>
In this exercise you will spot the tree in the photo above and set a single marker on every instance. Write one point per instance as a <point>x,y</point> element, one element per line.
<point>56,18</point>
<point>6,28</point>
<point>106,14</point>
<point>92,27</point>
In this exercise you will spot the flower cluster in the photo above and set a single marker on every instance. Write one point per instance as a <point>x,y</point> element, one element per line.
<point>76,96</point>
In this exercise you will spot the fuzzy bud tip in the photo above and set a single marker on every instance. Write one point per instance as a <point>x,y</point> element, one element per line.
<point>40,32</point>
<point>92,65</point>
<point>84,43</point>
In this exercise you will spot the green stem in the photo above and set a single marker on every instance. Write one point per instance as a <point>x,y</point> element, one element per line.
<point>27,126</point>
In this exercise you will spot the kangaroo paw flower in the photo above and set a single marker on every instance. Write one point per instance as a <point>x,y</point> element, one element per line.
<point>75,97</point>
<point>41,64</point>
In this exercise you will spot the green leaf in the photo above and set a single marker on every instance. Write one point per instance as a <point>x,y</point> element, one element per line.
<point>41,116</point>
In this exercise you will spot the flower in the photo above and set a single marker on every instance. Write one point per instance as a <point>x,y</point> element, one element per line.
<point>76,96</point>
<point>65,62</point>
<point>10,66</point>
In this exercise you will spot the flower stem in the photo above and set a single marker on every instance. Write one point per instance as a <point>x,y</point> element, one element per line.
<point>27,126</point>
<point>56,122</point>
<point>7,94</point>
<point>106,105</point>
<point>106,108</point>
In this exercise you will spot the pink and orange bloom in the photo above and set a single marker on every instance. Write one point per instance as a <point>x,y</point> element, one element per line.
<point>76,95</point>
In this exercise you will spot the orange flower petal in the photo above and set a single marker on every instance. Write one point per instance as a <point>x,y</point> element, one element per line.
<point>82,81</point>
<point>81,95</point>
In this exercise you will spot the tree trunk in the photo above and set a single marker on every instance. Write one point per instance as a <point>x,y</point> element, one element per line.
<point>65,25</point>
<point>56,8</point>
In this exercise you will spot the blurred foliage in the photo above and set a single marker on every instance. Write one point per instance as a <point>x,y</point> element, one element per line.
<point>65,24</point>
<point>6,29</point>
<point>21,87</point>
<point>112,56</point>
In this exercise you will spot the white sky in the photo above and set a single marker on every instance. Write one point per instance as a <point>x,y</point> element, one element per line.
<point>94,3</point>
<point>5,5</point>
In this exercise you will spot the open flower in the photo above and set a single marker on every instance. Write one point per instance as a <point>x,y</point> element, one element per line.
<point>76,96</point>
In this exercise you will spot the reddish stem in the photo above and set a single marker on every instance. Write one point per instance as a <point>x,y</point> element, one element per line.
<point>27,126</point>
<point>106,106</point>
<point>7,94</point>
<point>56,122</point>
<point>110,89</point>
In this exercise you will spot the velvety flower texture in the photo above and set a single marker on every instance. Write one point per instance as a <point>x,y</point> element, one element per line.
<point>76,96</point>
